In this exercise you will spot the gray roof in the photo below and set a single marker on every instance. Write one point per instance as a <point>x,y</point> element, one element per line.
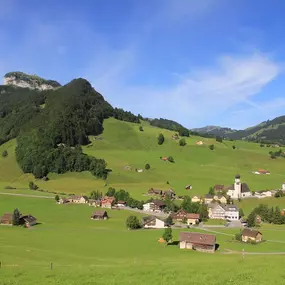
<point>232,208</point>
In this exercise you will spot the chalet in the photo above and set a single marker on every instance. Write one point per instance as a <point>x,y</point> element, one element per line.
<point>251,235</point>
<point>263,194</point>
<point>219,187</point>
<point>108,202</point>
<point>94,203</point>
<point>164,158</point>
<point>28,220</point>
<point>188,187</point>
<point>152,222</point>
<point>193,219</point>
<point>139,170</point>
<point>154,192</point>
<point>199,143</point>
<point>196,199</point>
<point>168,194</point>
<point>6,219</point>
<point>261,171</point>
<point>208,198</point>
<point>154,206</point>
<point>121,204</point>
<point>231,212</point>
<point>223,212</point>
<point>179,215</point>
<point>197,241</point>
<point>78,199</point>
<point>99,215</point>
<point>63,201</point>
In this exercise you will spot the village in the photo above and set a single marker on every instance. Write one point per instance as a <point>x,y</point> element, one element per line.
<point>218,204</point>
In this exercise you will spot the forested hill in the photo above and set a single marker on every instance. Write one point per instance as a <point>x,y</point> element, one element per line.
<point>268,131</point>
<point>51,125</point>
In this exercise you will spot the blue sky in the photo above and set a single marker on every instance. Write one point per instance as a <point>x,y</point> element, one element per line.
<point>206,62</point>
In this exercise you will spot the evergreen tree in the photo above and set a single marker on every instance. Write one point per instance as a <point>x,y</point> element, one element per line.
<point>56,198</point>
<point>160,139</point>
<point>251,219</point>
<point>16,217</point>
<point>211,191</point>
<point>182,142</point>
<point>147,166</point>
<point>167,235</point>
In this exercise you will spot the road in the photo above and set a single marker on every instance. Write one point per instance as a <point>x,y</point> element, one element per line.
<point>27,195</point>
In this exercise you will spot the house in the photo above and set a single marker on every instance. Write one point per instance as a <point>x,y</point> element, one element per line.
<point>238,190</point>
<point>261,171</point>
<point>168,194</point>
<point>208,198</point>
<point>63,201</point>
<point>283,186</point>
<point>263,194</point>
<point>197,241</point>
<point>164,158</point>
<point>99,215</point>
<point>121,204</point>
<point>216,211</point>
<point>219,187</point>
<point>6,219</point>
<point>79,199</point>
<point>108,202</point>
<point>179,215</point>
<point>188,187</point>
<point>199,143</point>
<point>94,203</point>
<point>193,219</point>
<point>231,212</point>
<point>28,220</point>
<point>196,199</point>
<point>251,235</point>
<point>140,170</point>
<point>152,222</point>
<point>154,206</point>
<point>222,199</point>
<point>154,192</point>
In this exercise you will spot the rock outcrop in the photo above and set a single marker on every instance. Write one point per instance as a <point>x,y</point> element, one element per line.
<point>24,80</point>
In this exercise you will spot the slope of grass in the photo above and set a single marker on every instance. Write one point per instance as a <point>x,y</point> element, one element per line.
<point>122,144</point>
<point>84,251</point>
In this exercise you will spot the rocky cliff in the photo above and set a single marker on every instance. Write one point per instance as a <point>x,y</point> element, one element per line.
<point>24,80</point>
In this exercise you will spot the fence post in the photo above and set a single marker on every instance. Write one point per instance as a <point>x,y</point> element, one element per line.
<point>51,266</point>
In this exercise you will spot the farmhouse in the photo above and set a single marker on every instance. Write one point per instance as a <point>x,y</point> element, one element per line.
<point>199,143</point>
<point>94,203</point>
<point>152,222</point>
<point>251,235</point>
<point>108,202</point>
<point>28,220</point>
<point>224,212</point>
<point>219,187</point>
<point>78,199</point>
<point>179,215</point>
<point>210,198</point>
<point>193,219</point>
<point>6,219</point>
<point>154,206</point>
<point>162,193</point>
<point>238,190</point>
<point>164,158</point>
<point>154,192</point>
<point>196,199</point>
<point>99,215</point>
<point>261,171</point>
<point>198,241</point>
<point>63,201</point>
<point>188,187</point>
<point>263,194</point>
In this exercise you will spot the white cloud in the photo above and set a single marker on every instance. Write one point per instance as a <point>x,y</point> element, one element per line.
<point>200,95</point>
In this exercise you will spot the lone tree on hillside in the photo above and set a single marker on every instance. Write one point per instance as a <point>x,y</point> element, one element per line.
<point>211,147</point>
<point>141,128</point>
<point>16,217</point>
<point>56,198</point>
<point>167,235</point>
<point>147,166</point>
<point>234,147</point>
<point>4,153</point>
<point>160,139</point>
<point>133,223</point>
<point>182,142</point>
<point>170,159</point>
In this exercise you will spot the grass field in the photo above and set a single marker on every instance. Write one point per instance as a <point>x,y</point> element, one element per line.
<point>84,251</point>
<point>123,144</point>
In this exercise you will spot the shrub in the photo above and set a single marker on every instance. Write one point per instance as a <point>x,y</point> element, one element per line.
<point>33,186</point>
<point>170,159</point>
<point>141,129</point>
<point>234,147</point>
<point>167,235</point>
<point>211,147</point>
<point>160,139</point>
<point>238,237</point>
<point>56,198</point>
<point>133,223</point>
<point>9,187</point>
<point>147,166</point>
<point>182,142</point>
<point>4,153</point>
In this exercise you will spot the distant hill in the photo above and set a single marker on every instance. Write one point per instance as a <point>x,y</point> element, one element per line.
<point>214,130</point>
<point>271,131</point>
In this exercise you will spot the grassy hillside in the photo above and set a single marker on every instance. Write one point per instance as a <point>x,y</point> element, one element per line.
<point>122,144</point>
<point>84,251</point>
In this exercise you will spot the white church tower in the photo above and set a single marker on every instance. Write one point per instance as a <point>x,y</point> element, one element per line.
<point>235,193</point>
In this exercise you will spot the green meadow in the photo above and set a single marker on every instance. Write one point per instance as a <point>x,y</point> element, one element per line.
<point>83,251</point>
<point>122,144</point>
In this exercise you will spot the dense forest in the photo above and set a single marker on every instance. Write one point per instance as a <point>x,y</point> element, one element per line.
<point>170,125</point>
<point>50,126</point>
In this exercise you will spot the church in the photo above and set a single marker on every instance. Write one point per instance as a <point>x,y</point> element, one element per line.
<point>238,190</point>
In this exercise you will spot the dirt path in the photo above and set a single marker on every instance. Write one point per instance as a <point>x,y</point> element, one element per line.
<point>27,195</point>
